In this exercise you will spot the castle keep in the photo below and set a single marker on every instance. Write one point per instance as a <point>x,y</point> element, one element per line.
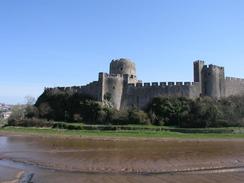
<point>122,88</point>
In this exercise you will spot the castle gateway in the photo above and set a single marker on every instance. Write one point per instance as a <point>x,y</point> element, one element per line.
<point>122,88</point>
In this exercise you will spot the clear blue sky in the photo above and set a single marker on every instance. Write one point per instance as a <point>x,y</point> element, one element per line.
<point>67,42</point>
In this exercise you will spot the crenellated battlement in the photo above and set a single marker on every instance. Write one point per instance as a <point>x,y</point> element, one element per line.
<point>234,79</point>
<point>162,84</point>
<point>211,66</point>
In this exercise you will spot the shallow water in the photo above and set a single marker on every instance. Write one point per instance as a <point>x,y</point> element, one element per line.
<point>121,160</point>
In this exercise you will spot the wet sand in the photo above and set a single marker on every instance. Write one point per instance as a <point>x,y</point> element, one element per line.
<point>121,160</point>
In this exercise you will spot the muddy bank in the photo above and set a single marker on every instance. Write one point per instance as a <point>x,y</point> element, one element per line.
<point>129,160</point>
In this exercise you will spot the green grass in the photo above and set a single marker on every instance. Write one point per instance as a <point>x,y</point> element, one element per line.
<point>130,133</point>
<point>72,126</point>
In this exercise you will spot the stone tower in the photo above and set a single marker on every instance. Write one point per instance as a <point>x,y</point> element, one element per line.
<point>211,79</point>
<point>122,72</point>
<point>199,74</point>
<point>215,81</point>
<point>122,66</point>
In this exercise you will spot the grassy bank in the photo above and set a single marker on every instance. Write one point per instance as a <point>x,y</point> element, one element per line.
<point>80,126</point>
<point>122,133</point>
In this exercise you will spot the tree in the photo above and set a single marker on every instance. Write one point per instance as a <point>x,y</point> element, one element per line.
<point>31,111</point>
<point>204,113</point>
<point>45,110</point>
<point>136,116</point>
<point>18,114</point>
<point>169,110</point>
<point>30,100</point>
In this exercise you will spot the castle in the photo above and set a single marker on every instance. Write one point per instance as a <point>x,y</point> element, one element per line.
<point>122,88</point>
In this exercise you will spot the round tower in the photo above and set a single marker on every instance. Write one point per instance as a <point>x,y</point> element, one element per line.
<point>215,82</point>
<point>122,72</point>
<point>123,66</point>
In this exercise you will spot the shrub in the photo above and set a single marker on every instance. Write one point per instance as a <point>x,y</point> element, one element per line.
<point>31,111</point>
<point>204,113</point>
<point>136,116</point>
<point>169,110</point>
<point>34,122</point>
<point>18,113</point>
<point>120,118</point>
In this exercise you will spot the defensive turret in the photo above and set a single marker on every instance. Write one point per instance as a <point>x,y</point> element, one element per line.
<point>123,66</point>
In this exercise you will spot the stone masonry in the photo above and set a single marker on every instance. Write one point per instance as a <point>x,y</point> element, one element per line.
<point>124,90</point>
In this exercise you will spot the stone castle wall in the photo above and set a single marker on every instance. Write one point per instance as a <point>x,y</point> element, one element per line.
<point>125,90</point>
<point>92,89</point>
<point>141,94</point>
<point>234,86</point>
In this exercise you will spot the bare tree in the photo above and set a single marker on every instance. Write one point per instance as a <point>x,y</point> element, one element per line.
<point>30,100</point>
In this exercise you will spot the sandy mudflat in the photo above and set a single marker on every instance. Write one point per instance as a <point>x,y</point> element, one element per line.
<point>93,159</point>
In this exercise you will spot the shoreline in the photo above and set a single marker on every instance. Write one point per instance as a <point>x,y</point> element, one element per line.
<point>115,136</point>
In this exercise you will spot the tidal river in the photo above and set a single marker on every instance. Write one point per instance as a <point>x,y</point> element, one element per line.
<point>129,160</point>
